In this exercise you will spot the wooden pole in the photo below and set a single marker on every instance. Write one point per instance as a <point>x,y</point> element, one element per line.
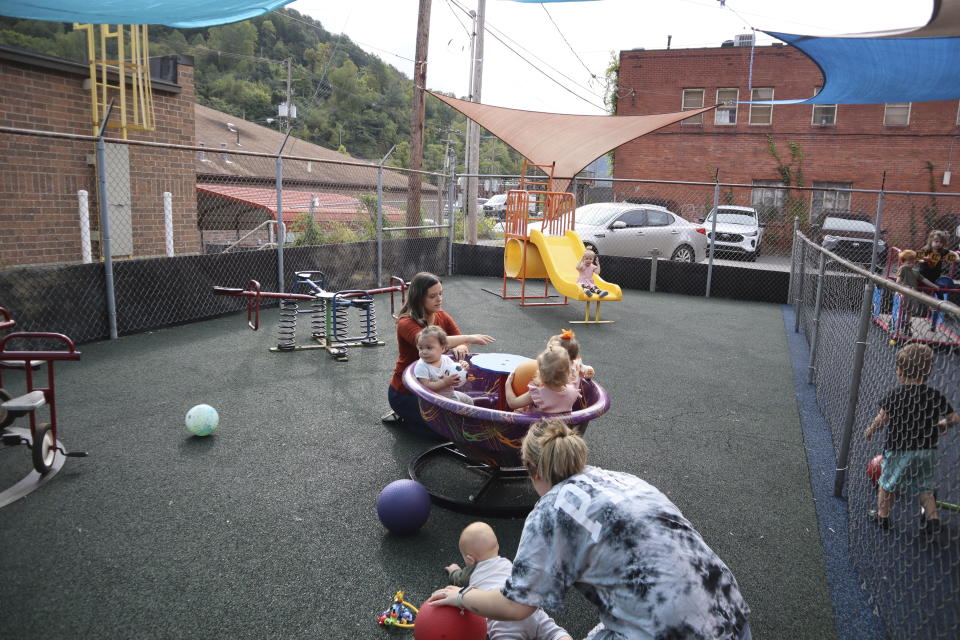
<point>417,116</point>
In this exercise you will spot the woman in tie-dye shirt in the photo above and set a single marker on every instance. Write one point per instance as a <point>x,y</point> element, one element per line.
<point>620,542</point>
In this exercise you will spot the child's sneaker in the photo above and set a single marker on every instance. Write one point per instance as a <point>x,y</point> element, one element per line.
<point>881,521</point>
<point>603,294</point>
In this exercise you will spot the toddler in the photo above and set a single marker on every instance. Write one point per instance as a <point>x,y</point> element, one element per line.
<point>915,416</point>
<point>935,258</point>
<point>436,371</point>
<point>589,264</point>
<point>566,341</point>
<point>550,391</point>
<point>909,276</point>
<point>486,569</point>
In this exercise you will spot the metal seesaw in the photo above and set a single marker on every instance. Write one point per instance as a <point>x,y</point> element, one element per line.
<point>329,313</point>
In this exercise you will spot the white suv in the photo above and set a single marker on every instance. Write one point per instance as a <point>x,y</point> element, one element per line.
<point>738,230</point>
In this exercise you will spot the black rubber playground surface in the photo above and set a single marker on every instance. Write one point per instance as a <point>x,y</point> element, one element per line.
<point>268,529</point>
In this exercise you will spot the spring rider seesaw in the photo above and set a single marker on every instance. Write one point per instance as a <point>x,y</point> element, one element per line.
<point>328,311</point>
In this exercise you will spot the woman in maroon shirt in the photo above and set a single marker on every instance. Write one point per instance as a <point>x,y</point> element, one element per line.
<point>421,309</point>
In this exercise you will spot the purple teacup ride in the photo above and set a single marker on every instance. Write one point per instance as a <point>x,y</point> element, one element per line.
<point>485,441</point>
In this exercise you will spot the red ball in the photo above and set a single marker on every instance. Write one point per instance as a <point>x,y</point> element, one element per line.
<point>448,623</point>
<point>875,468</point>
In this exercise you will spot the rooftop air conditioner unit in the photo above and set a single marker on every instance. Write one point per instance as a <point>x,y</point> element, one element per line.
<point>743,40</point>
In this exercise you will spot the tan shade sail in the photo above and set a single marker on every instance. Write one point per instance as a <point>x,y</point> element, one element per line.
<point>572,141</point>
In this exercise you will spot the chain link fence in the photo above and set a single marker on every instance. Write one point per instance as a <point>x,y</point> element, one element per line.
<point>180,220</point>
<point>885,360</point>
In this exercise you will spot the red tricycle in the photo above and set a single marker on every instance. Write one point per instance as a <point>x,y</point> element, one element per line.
<point>41,438</point>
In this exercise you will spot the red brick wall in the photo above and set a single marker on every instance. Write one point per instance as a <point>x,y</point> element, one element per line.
<point>858,149</point>
<point>40,176</point>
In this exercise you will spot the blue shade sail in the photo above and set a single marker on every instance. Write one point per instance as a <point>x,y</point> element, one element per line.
<point>872,70</point>
<point>185,14</point>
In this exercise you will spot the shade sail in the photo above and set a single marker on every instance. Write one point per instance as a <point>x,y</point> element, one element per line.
<point>905,65</point>
<point>185,14</point>
<point>571,141</point>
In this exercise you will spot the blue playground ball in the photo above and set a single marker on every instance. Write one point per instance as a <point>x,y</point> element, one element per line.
<point>403,506</point>
<point>202,420</point>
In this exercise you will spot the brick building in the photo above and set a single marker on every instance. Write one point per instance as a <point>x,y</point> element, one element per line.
<point>842,146</point>
<point>41,176</point>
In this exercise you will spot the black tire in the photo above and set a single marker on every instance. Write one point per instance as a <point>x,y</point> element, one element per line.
<point>751,257</point>
<point>684,253</point>
<point>6,417</point>
<point>589,246</point>
<point>44,449</point>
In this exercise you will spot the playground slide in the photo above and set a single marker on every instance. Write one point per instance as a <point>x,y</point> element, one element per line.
<point>560,255</point>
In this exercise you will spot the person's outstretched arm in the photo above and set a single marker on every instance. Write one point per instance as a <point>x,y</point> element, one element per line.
<point>489,604</point>
<point>458,344</point>
<point>951,420</point>
<point>513,400</point>
<point>879,422</point>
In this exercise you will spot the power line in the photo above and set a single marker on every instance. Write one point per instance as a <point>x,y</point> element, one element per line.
<point>564,38</point>
<point>492,31</point>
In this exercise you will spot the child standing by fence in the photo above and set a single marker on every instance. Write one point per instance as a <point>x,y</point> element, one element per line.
<point>915,416</point>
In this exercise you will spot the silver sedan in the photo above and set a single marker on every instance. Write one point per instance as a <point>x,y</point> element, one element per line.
<point>635,230</point>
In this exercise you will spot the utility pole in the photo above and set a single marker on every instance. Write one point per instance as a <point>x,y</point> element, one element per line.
<point>417,116</point>
<point>289,96</point>
<point>473,129</point>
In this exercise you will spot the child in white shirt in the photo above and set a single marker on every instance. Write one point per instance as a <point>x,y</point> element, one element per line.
<point>436,371</point>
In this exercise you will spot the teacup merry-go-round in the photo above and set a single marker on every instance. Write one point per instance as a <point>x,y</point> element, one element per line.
<point>479,470</point>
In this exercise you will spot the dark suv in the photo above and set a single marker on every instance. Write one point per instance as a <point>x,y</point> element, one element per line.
<point>851,238</point>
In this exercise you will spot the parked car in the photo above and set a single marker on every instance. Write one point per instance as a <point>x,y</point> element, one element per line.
<point>739,230</point>
<point>625,229</point>
<point>851,238</point>
<point>496,206</point>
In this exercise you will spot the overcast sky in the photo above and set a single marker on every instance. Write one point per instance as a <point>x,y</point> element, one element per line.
<point>573,41</point>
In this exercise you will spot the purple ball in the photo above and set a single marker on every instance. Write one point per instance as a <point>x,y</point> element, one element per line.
<point>403,506</point>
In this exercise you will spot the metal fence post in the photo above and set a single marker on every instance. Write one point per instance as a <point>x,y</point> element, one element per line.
<point>451,199</point>
<point>876,228</point>
<point>713,236</point>
<point>798,301</point>
<point>281,228</point>
<point>654,253</point>
<point>866,307</point>
<point>793,259</point>
<point>812,367</point>
<point>105,225</point>
<point>854,395</point>
<point>380,216</point>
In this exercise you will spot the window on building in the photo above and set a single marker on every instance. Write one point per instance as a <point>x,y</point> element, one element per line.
<point>693,99</point>
<point>896,114</point>
<point>827,202</point>
<point>761,113</point>
<point>824,115</point>
<point>768,197</point>
<point>958,116</point>
<point>727,112</point>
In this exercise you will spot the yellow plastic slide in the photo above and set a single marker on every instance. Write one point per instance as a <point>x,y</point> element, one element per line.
<point>556,257</point>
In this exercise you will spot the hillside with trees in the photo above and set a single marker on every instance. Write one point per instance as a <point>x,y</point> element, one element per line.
<point>346,98</point>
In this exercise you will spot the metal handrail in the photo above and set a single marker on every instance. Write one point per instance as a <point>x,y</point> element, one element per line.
<point>250,233</point>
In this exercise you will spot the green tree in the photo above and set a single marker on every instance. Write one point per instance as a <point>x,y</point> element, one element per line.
<point>309,231</point>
